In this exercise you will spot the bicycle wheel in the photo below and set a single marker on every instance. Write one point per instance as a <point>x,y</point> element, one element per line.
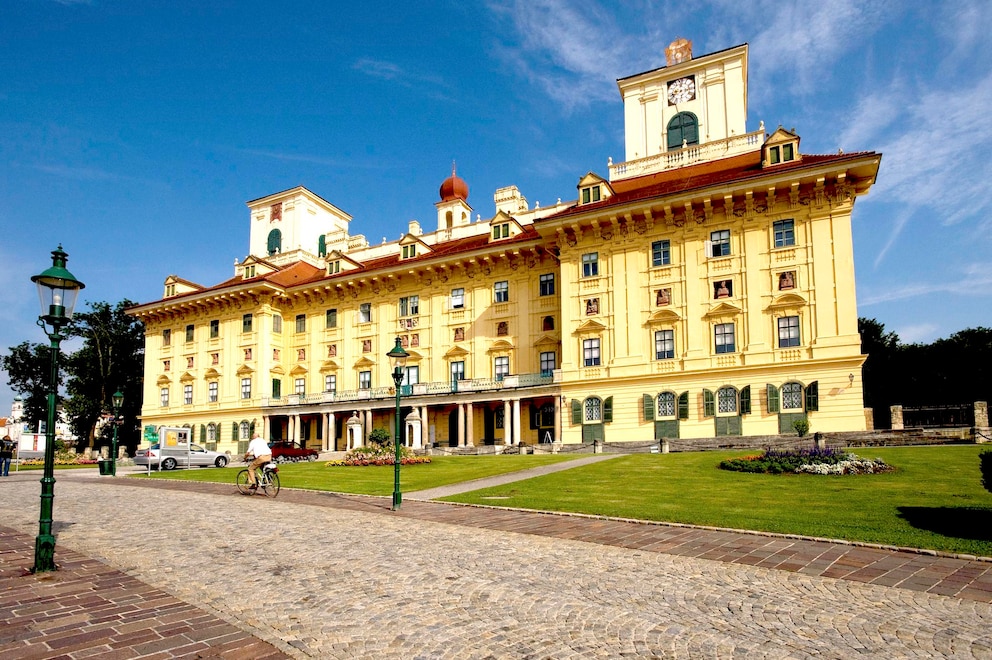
<point>242,482</point>
<point>271,488</point>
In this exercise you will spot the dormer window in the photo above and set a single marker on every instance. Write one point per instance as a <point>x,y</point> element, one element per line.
<point>249,271</point>
<point>170,290</point>
<point>782,154</point>
<point>410,251</point>
<point>782,146</point>
<point>333,267</point>
<point>591,194</point>
<point>501,230</point>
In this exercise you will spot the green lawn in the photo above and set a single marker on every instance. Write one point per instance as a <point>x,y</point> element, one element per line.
<point>934,499</point>
<point>378,480</point>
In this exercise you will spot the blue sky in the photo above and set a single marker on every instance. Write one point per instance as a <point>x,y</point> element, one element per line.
<point>133,131</point>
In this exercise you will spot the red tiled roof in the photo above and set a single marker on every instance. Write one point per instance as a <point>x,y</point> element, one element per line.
<point>694,177</point>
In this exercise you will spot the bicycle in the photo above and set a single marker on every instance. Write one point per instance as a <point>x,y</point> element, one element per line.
<point>267,478</point>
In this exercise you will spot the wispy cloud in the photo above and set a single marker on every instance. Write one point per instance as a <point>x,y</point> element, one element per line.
<point>977,275</point>
<point>368,164</point>
<point>898,224</point>
<point>88,174</point>
<point>396,74</point>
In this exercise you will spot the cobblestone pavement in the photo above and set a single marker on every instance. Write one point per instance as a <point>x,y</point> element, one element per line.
<point>330,582</point>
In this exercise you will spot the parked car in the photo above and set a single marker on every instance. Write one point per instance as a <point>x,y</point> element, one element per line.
<point>285,451</point>
<point>173,458</point>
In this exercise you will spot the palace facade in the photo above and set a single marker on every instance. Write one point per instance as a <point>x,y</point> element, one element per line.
<point>703,287</point>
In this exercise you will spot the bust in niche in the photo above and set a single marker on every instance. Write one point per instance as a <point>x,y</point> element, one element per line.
<point>786,280</point>
<point>459,334</point>
<point>663,297</point>
<point>502,329</point>
<point>301,354</point>
<point>415,340</point>
<point>592,306</point>
<point>722,289</point>
<point>332,350</point>
<point>275,354</point>
<point>366,346</point>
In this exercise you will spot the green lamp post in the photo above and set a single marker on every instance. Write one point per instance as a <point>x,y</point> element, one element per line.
<point>117,400</point>
<point>57,291</point>
<point>397,357</point>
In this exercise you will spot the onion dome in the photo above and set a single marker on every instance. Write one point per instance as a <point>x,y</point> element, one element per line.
<point>454,187</point>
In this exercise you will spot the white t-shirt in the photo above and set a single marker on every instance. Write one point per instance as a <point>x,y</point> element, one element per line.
<point>258,447</point>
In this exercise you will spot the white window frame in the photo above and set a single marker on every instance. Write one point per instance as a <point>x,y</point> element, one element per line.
<point>591,352</point>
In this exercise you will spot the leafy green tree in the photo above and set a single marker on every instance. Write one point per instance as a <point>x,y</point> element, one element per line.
<point>111,358</point>
<point>882,349</point>
<point>29,368</point>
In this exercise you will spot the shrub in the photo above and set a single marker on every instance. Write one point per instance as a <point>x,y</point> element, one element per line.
<point>776,462</point>
<point>379,436</point>
<point>801,426</point>
<point>985,465</point>
<point>378,454</point>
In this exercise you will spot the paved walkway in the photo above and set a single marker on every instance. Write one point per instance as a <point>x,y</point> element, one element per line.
<point>343,577</point>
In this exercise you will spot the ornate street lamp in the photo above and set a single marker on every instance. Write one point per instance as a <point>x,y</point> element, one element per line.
<point>397,357</point>
<point>57,291</point>
<point>117,400</point>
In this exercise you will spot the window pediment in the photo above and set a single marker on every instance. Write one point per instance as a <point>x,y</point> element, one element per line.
<point>277,370</point>
<point>163,380</point>
<point>547,341</point>
<point>501,346</point>
<point>723,309</point>
<point>664,316</point>
<point>245,370</point>
<point>211,374</point>
<point>455,352</point>
<point>187,377</point>
<point>298,370</point>
<point>590,327</point>
<point>364,363</point>
<point>329,365</point>
<point>787,301</point>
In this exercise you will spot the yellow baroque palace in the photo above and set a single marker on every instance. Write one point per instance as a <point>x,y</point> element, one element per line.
<point>705,287</point>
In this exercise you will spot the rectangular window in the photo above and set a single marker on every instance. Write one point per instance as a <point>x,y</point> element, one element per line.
<point>502,367</point>
<point>788,331</point>
<point>166,337</point>
<point>212,392</point>
<point>664,344</point>
<point>501,292</point>
<point>214,329</point>
<point>331,318</point>
<point>365,313</point>
<point>547,284</point>
<point>276,324</point>
<point>591,194</point>
<point>457,298</point>
<point>246,323</point>
<point>773,156</point>
<point>409,251</point>
<point>330,383</point>
<point>276,388</point>
<point>785,233</point>
<point>189,334</point>
<point>720,243</point>
<point>410,306</point>
<point>457,371</point>
<point>299,386</point>
<point>164,397</point>
<point>364,380</point>
<point>301,323</point>
<point>246,388</point>
<point>724,335</point>
<point>188,395</point>
<point>548,363</point>
<point>501,230</point>
<point>590,352</point>
<point>590,264</point>
<point>411,376</point>
<point>787,153</point>
<point>333,267</point>
<point>661,253</point>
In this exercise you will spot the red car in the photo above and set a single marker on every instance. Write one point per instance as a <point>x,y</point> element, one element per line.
<point>284,451</point>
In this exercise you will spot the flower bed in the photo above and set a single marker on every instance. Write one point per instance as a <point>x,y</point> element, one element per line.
<point>807,461</point>
<point>377,454</point>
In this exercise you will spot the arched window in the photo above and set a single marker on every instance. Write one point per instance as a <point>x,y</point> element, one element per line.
<point>322,246</point>
<point>548,323</point>
<point>275,241</point>
<point>726,398</point>
<point>245,431</point>
<point>792,396</point>
<point>448,220</point>
<point>211,432</point>
<point>593,409</point>
<point>666,404</point>
<point>682,128</point>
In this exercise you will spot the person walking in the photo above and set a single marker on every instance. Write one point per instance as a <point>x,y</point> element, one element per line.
<point>6,454</point>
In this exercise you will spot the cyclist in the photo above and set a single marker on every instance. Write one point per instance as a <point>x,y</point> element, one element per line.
<point>259,451</point>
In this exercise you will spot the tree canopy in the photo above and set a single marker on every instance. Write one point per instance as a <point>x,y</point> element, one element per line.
<point>29,368</point>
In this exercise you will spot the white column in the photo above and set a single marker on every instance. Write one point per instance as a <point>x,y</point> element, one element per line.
<point>265,427</point>
<point>507,423</point>
<point>323,431</point>
<point>368,425</point>
<point>332,432</point>
<point>461,424</point>
<point>297,428</point>
<point>291,427</point>
<point>469,425</point>
<point>557,418</point>
<point>424,426</point>
<point>516,421</point>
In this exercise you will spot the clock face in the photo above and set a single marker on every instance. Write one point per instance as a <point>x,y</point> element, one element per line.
<point>681,90</point>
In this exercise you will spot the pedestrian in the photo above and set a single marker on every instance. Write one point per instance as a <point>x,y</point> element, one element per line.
<point>6,453</point>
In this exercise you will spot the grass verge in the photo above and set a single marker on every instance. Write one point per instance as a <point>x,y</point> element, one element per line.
<point>378,480</point>
<point>934,499</point>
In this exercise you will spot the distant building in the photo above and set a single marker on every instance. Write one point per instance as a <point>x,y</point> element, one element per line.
<point>30,436</point>
<point>704,287</point>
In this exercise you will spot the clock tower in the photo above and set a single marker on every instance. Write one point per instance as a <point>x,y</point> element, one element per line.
<point>688,111</point>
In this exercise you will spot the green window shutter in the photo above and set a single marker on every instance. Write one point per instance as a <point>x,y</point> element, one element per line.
<point>276,388</point>
<point>746,400</point>
<point>684,405</point>
<point>648,408</point>
<point>251,429</point>
<point>709,404</point>
<point>576,411</point>
<point>773,399</point>
<point>321,246</point>
<point>234,431</point>
<point>813,396</point>
<point>608,410</point>
<point>203,432</point>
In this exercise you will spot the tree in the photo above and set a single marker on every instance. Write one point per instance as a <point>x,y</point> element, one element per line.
<point>29,369</point>
<point>111,359</point>
<point>882,349</point>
